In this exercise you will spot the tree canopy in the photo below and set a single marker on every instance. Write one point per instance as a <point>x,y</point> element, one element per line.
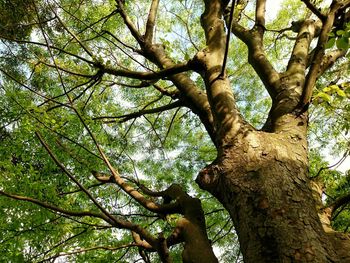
<point>110,109</point>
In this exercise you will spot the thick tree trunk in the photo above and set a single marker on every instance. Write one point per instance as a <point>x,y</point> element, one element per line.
<point>262,181</point>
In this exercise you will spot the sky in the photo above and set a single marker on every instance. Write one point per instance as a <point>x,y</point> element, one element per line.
<point>272,8</point>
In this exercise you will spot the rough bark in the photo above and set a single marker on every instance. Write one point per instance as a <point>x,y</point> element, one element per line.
<point>262,181</point>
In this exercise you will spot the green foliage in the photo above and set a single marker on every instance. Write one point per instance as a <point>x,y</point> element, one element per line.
<point>340,38</point>
<point>59,95</point>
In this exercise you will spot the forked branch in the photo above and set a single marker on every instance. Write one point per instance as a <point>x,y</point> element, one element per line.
<point>319,54</point>
<point>314,10</point>
<point>256,54</point>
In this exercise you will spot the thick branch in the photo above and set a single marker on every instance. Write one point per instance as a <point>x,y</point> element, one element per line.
<point>226,117</point>
<point>300,54</point>
<point>151,21</point>
<point>345,199</point>
<point>194,98</point>
<point>260,13</point>
<point>319,55</point>
<point>212,24</point>
<point>330,58</point>
<point>314,10</point>
<point>257,57</point>
<point>167,72</point>
<point>133,30</point>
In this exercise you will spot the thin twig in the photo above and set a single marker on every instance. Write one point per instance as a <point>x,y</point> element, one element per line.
<point>222,74</point>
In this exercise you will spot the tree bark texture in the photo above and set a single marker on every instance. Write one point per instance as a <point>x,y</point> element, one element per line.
<point>262,181</point>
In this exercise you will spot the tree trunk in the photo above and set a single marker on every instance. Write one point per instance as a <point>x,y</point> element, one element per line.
<point>262,181</point>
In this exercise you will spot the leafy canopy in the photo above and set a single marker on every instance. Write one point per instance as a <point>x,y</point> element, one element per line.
<point>55,97</point>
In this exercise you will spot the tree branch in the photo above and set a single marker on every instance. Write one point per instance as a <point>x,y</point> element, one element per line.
<point>226,118</point>
<point>260,11</point>
<point>84,250</point>
<point>63,168</point>
<point>223,69</point>
<point>128,189</point>
<point>57,209</point>
<point>256,55</point>
<point>167,72</point>
<point>330,58</point>
<point>48,46</point>
<point>314,10</point>
<point>151,22</point>
<point>84,47</point>
<point>194,98</point>
<point>133,30</point>
<point>345,199</point>
<point>318,57</point>
<point>299,58</point>
<point>140,113</point>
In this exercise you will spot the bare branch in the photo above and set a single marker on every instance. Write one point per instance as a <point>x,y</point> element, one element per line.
<point>140,113</point>
<point>345,199</point>
<point>300,54</point>
<point>318,57</point>
<point>123,224</point>
<point>48,46</point>
<point>33,90</point>
<point>85,48</point>
<point>84,250</point>
<point>63,168</point>
<point>61,243</point>
<point>133,30</point>
<point>314,10</point>
<point>79,190</point>
<point>260,13</point>
<point>174,69</point>
<point>151,22</point>
<point>330,58</point>
<point>55,208</point>
<point>66,70</point>
<point>223,69</point>
<point>256,54</point>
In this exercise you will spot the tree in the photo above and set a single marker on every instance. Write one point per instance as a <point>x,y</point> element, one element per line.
<point>109,108</point>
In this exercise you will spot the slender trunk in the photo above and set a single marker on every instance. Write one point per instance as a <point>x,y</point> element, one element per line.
<point>262,182</point>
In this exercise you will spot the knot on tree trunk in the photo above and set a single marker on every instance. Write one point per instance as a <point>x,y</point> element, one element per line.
<point>208,177</point>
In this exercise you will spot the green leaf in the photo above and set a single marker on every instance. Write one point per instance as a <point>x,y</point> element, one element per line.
<point>342,43</point>
<point>341,93</point>
<point>324,96</point>
<point>340,32</point>
<point>330,43</point>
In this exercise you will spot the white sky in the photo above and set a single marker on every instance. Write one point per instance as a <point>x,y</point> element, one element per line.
<point>272,7</point>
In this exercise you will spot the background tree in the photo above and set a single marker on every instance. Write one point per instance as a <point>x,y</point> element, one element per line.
<point>114,112</point>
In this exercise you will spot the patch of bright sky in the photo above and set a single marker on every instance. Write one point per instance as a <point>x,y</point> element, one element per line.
<point>272,8</point>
